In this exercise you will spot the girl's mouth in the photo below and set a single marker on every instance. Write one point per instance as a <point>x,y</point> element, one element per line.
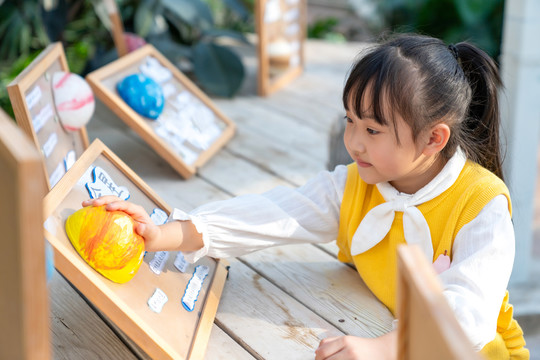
<point>363,164</point>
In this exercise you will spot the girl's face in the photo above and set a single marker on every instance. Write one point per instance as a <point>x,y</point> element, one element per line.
<point>379,157</point>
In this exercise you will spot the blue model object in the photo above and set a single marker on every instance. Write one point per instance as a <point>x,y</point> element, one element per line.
<point>49,261</point>
<point>142,94</point>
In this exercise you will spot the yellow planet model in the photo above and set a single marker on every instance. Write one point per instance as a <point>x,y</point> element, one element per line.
<point>107,241</point>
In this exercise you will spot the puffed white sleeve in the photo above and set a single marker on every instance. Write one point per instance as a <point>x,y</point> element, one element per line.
<point>237,226</point>
<point>482,261</point>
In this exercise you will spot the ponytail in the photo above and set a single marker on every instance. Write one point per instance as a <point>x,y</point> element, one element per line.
<point>480,128</point>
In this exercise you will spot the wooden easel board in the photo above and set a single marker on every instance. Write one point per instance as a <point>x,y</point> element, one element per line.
<point>172,333</point>
<point>24,311</point>
<point>428,328</point>
<point>281,29</point>
<point>190,129</point>
<point>33,104</point>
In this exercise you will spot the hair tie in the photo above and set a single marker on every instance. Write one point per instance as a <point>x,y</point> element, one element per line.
<point>453,49</point>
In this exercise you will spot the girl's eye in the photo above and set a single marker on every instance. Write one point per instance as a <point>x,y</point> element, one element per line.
<point>348,119</point>
<point>372,132</point>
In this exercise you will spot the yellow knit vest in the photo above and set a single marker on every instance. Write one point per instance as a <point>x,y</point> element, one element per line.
<point>446,214</point>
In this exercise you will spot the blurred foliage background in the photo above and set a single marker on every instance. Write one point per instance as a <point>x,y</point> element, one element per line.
<point>189,32</point>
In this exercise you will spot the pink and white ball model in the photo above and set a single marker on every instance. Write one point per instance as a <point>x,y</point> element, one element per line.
<point>74,100</point>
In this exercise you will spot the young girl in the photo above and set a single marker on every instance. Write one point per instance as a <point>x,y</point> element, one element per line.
<point>423,131</point>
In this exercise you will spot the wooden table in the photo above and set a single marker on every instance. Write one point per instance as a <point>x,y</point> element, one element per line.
<point>277,303</point>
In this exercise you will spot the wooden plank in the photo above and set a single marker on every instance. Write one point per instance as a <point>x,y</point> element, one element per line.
<point>222,347</point>
<point>78,333</point>
<point>328,287</point>
<point>275,158</point>
<point>265,320</point>
<point>277,127</point>
<point>428,328</point>
<point>238,176</point>
<point>23,300</point>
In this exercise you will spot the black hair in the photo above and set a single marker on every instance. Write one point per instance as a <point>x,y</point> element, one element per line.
<point>427,82</point>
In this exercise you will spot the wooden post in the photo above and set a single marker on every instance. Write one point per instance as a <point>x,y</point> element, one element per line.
<point>117,28</point>
<point>520,104</point>
<point>24,310</point>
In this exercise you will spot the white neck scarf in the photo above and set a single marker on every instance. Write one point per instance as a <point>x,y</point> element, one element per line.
<point>377,222</point>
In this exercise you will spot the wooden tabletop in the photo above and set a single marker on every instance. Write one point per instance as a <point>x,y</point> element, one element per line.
<point>277,303</point>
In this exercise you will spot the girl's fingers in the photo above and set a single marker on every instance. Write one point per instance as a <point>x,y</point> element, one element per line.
<point>328,347</point>
<point>102,200</point>
<point>113,203</point>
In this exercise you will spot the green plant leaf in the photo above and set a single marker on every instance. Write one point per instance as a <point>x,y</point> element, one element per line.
<point>239,8</point>
<point>194,12</point>
<point>144,16</point>
<point>169,48</point>
<point>218,69</point>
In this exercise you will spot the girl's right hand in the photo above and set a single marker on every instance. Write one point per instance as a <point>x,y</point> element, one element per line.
<point>145,227</point>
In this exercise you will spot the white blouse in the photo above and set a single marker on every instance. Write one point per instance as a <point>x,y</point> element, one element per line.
<point>483,251</point>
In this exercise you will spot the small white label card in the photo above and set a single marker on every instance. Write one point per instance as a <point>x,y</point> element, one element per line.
<point>70,159</point>
<point>42,117</point>
<point>49,145</point>
<point>168,90</point>
<point>104,185</point>
<point>50,225</point>
<point>57,174</point>
<point>157,300</point>
<point>292,29</point>
<point>194,287</point>
<point>152,68</point>
<point>158,216</point>
<point>33,97</point>
<point>158,262</point>
<point>272,12</point>
<point>291,15</point>
<point>180,263</point>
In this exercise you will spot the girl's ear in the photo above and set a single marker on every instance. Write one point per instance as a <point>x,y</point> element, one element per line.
<point>438,138</point>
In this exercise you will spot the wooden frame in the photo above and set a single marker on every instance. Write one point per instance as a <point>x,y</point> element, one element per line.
<point>35,79</point>
<point>173,333</point>
<point>427,326</point>
<point>279,22</point>
<point>185,159</point>
<point>24,310</point>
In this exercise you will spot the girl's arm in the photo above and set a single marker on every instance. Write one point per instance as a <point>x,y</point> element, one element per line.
<point>173,236</point>
<point>283,215</point>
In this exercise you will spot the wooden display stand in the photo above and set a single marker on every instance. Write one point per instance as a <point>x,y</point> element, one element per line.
<point>281,29</point>
<point>173,332</point>
<point>188,114</point>
<point>33,104</point>
<point>24,310</point>
<point>427,326</point>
